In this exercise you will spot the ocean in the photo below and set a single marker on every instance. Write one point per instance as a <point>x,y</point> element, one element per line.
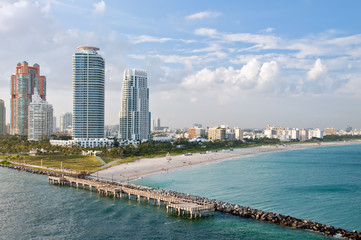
<point>322,184</point>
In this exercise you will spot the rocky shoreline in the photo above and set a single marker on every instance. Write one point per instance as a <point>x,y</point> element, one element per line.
<point>229,208</point>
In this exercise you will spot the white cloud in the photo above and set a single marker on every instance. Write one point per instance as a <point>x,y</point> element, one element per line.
<point>146,38</point>
<point>268,73</point>
<point>99,8</point>
<point>252,75</point>
<point>8,10</point>
<point>317,70</point>
<point>206,32</point>
<point>203,15</point>
<point>267,30</point>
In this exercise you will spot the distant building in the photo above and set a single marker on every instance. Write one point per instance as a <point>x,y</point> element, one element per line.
<point>40,119</point>
<point>216,133</point>
<point>295,134</point>
<point>8,128</point>
<point>348,129</point>
<point>196,132</point>
<point>88,96</point>
<point>135,118</point>
<point>54,124</point>
<point>330,131</point>
<point>238,133</point>
<point>303,134</point>
<point>2,117</point>
<point>111,131</point>
<point>66,121</point>
<point>156,125</point>
<point>315,133</point>
<point>23,83</point>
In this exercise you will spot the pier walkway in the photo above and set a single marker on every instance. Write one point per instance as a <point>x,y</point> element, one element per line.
<point>180,206</point>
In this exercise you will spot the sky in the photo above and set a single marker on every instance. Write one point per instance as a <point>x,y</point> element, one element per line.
<point>238,63</point>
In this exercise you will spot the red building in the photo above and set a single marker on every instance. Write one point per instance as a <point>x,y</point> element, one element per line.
<point>23,82</point>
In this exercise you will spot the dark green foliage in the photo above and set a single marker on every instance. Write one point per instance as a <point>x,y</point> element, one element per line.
<point>333,138</point>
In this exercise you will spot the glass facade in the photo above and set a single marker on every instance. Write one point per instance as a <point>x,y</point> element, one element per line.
<point>23,83</point>
<point>88,94</point>
<point>2,117</point>
<point>134,123</point>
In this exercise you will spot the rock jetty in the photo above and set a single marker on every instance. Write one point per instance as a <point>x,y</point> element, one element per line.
<point>248,212</point>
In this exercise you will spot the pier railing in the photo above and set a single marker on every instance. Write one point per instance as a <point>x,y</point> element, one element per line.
<point>181,206</point>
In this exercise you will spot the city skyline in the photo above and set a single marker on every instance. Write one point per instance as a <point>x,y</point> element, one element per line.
<point>244,64</point>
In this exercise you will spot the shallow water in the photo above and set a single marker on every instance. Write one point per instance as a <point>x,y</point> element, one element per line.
<point>322,184</point>
<point>30,208</point>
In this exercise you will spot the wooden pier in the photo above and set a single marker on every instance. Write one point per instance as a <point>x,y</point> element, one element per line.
<point>180,206</point>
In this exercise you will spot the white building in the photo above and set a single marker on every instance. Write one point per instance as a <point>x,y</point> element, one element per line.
<point>238,133</point>
<point>84,142</point>
<point>66,120</point>
<point>315,133</point>
<point>303,134</point>
<point>40,118</point>
<point>88,94</point>
<point>295,134</point>
<point>135,118</point>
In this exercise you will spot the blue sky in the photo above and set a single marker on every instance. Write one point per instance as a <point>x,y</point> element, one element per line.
<point>241,63</point>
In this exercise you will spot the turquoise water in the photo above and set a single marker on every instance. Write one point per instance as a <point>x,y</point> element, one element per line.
<point>322,184</point>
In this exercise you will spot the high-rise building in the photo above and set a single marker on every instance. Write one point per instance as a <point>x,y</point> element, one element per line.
<point>66,120</point>
<point>88,94</point>
<point>23,83</point>
<point>54,124</point>
<point>2,118</point>
<point>40,118</point>
<point>135,117</point>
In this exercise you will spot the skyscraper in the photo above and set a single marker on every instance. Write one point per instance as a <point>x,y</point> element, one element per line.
<point>88,94</point>
<point>2,118</point>
<point>134,113</point>
<point>23,83</point>
<point>66,120</point>
<point>40,118</point>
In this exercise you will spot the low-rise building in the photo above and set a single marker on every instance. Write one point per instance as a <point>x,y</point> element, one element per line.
<point>330,131</point>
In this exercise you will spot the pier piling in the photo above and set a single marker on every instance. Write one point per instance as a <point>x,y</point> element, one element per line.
<point>180,205</point>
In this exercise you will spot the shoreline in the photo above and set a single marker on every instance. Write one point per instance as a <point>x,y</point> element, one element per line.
<point>149,166</point>
<point>231,208</point>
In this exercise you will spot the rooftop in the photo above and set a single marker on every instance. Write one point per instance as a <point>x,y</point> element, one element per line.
<point>88,49</point>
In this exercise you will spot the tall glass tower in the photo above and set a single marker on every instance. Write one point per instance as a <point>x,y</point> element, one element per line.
<point>134,114</point>
<point>88,94</point>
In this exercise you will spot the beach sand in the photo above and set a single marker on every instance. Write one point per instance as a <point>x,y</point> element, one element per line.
<point>147,166</point>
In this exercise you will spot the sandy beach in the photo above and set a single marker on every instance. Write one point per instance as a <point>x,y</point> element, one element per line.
<point>146,166</point>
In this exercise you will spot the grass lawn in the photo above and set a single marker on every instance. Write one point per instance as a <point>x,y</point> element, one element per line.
<point>108,160</point>
<point>72,162</point>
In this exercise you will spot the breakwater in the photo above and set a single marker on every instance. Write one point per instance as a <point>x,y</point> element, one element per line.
<point>26,169</point>
<point>229,208</point>
<point>248,212</point>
